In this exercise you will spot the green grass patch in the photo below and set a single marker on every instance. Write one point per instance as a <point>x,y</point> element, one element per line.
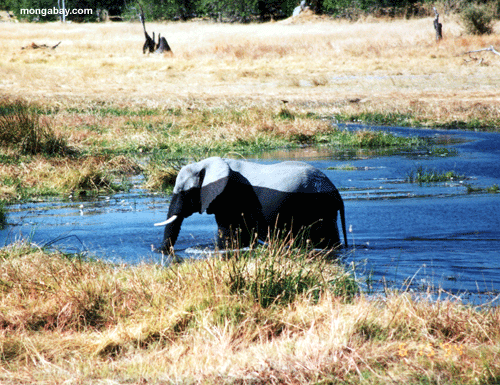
<point>368,139</point>
<point>343,167</point>
<point>493,189</point>
<point>487,122</point>
<point>379,118</point>
<point>424,175</point>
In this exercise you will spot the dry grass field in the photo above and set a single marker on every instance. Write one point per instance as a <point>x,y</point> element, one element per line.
<point>391,66</point>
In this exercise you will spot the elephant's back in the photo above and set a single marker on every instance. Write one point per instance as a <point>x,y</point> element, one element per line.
<point>287,177</point>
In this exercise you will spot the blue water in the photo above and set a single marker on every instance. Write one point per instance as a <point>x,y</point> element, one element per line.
<point>406,236</point>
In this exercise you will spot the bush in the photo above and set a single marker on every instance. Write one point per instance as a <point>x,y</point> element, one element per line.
<point>21,128</point>
<point>477,19</point>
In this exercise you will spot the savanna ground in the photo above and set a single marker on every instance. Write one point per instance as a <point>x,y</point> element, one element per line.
<point>103,107</point>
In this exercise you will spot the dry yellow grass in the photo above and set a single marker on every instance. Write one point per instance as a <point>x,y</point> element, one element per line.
<point>389,65</point>
<point>66,320</point>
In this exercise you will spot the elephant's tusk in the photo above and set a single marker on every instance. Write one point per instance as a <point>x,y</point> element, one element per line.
<point>168,221</point>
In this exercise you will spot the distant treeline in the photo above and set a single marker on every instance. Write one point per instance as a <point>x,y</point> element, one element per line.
<point>224,10</point>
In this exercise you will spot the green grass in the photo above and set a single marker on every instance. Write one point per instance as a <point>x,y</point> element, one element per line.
<point>410,119</point>
<point>424,175</point>
<point>493,189</point>
<point>379,118</point>
<point>369,140</point>
<point>343,167</point>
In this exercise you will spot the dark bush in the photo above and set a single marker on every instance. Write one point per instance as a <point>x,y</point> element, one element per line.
<point>477,19</point>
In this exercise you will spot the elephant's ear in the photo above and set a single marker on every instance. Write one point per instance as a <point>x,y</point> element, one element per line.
<point>216,176</point>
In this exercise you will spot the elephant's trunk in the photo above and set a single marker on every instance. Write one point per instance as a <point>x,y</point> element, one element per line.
<point>170,235</point>
<point>342,219</point>
<point>176,214</point>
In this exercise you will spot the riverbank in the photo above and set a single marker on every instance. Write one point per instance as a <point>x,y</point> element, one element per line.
<point>218,321</point>
<point>64,151</point>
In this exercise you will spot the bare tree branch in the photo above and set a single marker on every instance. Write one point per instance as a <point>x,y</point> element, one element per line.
<point>490,48</point>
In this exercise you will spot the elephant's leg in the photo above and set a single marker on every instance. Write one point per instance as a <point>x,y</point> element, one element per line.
<point>235,230</point>
<point>232,237</point>
<point>326,235</point>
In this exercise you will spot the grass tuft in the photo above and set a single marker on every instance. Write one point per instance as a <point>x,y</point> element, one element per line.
<point>22,128</point>
<point>493,189</point>
<point>423,175</point>
<point>285,269</point>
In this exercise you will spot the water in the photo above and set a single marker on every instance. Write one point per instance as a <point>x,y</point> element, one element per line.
<point>403,235</point>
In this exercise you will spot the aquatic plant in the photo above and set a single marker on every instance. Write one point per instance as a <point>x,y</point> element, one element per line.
<point>493,189</point>
<point>424,175</point>
<point>343,167</point>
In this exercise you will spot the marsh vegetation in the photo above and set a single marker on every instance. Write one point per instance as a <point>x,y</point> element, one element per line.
<point>84,118</point>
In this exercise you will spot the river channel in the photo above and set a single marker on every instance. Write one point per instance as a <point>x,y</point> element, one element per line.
<point>437,237</point>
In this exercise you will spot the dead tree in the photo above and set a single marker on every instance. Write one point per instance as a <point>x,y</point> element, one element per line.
<point>438,26</point>
<point>150,45</point>
<point>162,45</point>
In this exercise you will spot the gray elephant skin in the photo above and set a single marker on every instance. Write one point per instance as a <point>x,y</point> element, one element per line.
<point>251,199</point>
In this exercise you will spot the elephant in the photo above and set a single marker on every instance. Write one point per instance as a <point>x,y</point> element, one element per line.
<point>251,200</point>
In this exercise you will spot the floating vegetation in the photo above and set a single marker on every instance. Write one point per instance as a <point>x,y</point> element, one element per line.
<point>343,167</point>
<point>424,175</point>
<point>494,189</point>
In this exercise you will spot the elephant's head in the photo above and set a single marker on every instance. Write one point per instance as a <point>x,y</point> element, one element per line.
<point>196,187</point>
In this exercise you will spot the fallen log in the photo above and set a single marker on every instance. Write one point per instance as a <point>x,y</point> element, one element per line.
<point>490,49</point>
<point>40,46</point>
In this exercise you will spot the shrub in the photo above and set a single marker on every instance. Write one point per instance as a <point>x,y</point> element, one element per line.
<point>477,19</point>
<point>21,128</point>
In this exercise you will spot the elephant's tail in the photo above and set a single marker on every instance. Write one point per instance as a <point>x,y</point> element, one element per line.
<point>342,218</point>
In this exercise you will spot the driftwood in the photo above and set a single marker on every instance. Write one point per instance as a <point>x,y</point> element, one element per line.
<point>40,46</point>
<point>438,26</point>
<point>490,49</point>
<point>472,58</point>
<point>150,45</point>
